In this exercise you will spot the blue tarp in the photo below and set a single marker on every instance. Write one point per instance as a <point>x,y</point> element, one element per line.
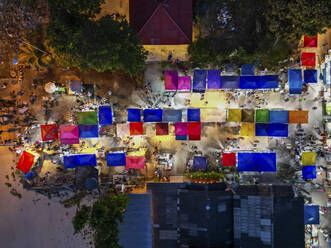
<point>115,159</point>
<point>80,160</point>
<point>171,115</point>
<point>181,137</point>
<point>310,76</point>
<point>249,82</point>
<point>230,82</point>
<point>312,215</point>
<point>256,161</point>
<point>88,131</point>
<point>268,81</point>
<point>200,163</point>
<point>309,172</point>
<point>214,79</point>
<point>105,115</point>
<point>153,115</point>
<point>248,69</point>
<point>278,130</point>
<point>134,115</point>
<point>295,81</point>
<point>278,116</point>
<point>193,115</point>
<point>199,80</point>
<point>261,129</point>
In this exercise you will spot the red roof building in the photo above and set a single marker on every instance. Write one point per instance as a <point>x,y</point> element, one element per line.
<point>162,22</point>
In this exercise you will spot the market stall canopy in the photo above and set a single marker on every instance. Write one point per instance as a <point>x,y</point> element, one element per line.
<point>105,115</point>
<point>162,128</point>
<point>123,129</point>
<point>214,79</point>
<point>229,159</point>
<point>134,162</point>
<point>278,130</point>
<point>50,87</point>
<point>49,132</point>
<point>25,163</point>
<point>181,137</point>
<point>184,83</point>
<point>153,115</point>
<point>312,214</point>
<point>247,129</point>
<point>261,129</point>
<point>115,159</point>
<point>262,116</point>
<point>69,134</point>
<point>308,59</point>
<point>295,81</point>
<point>171,115</point>
<point>73,161</point>
<point>181,128</point>
<point>194,128</point>
<point>298,116</point>
<point>247,115</point>
<point>309,172</point>
<point>193,115</point>
<point>257,162</point>
<point>230,82</point>
<point>199,163</point>
<point>278,116</point>
<point>268,82</point>
<point>249,82</point>
<point>310,41</point>
<point>134,115</point>
<point>234,115</point>
<point>248,69</point>
<point>194,137</point>
<point>171,80</point>
<point>213,115</point>
<point>87,118</point>
<point>88,131</point>
<point>308,158</point>
<point>310,76</point>
<point>136,128</point>
<point>199,81</point>
<point>76,86</point>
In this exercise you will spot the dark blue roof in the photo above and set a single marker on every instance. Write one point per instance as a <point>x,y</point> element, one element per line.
<point>278,130</point>
<point>193,115</point>
<point>310,76</point>
<point>105,115</point>
<point>261,129</point>
<point>199,80</point>
<point>115,159</point>
<point>278,116</point>
<point>248,69</point>
<point>134,115</point>
<point>214,79</point>
<point>153,115</point>
<point>257,162</point>
<point>230,82</point>
<point>312,215</point>
<point>88,131</point>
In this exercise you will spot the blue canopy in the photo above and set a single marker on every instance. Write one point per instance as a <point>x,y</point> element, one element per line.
<point>199,80</point>
<point>153,115</point>
<point>115,159</point>
<point>214,79</point>
<point>200,163</point>
<point>268,81</point>
<point>261,129</point>
<point>310,76</point>
<point>181,137</point>
<point>278,130</point>
<point>256,161</point>
<point>105,115</point>
<point>309,172</point>
<point>230,82</point>
<point>248,69</point>
<point>312,215</point>
<point>278,116</point>
<point>134,115</point>
<point>79,160</point>
<point>171,115</point>
<point>88,131</point>
<point>249,82</point>
<point>295,81</point>
<point>193,115</point>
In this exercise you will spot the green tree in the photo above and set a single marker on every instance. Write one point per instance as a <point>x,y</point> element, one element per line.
<point>86,7</point>
<point>102,218</point>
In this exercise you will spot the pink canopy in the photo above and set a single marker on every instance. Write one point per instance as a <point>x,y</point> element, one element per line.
<point>184,83</point>
<point>69,134</point>
<point>171,80</point>
<point>181,128</point>
<point>134,162</point>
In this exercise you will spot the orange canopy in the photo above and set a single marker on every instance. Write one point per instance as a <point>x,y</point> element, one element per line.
<point>298,116</point>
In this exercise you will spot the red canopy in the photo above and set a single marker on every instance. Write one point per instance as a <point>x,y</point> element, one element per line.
<point>136,128</point>
<point>308,59</point>
<point>134,162</point>
<point>162,128</point>
<point>194,128</point>
<point>194,137</point>
<point>310,41</point>
<point>26,161</point>
<point>229,159</point>
<point>49,132</point>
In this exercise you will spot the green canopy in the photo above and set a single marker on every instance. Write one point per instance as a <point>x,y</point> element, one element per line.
<point>87,118</point>
<point>262,116</point>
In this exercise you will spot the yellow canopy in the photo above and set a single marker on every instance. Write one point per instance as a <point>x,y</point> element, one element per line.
<point>234,115</point>
<point>247,129</point>
<point>308,158</point>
